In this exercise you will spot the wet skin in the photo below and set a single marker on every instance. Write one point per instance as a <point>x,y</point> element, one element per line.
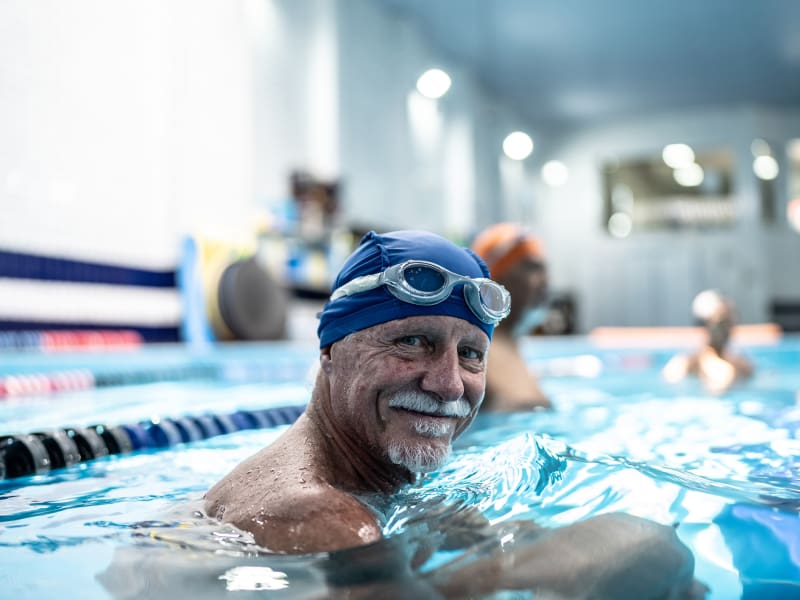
<point>441,358</point>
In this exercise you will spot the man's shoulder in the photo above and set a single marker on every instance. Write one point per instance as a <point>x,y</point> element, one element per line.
<point>294,514</point>
<point>314,518</point>
<point>304,500</point>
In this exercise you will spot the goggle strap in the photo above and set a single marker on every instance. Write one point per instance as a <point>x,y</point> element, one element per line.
<point>358,285</point>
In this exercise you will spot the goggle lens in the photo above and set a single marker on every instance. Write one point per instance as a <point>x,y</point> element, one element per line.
<point>492,297</point>
<point>424,279</point>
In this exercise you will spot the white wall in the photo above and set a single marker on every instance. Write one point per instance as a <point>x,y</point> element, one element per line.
<point>294,62</point>
<point>129,122</point>
<point>408,161</point>
<point>122,123</point>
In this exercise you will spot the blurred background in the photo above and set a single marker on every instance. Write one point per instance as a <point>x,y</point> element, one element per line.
<point>197,170</point>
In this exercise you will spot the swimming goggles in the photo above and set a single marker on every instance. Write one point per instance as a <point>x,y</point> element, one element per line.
<point>425,283</point>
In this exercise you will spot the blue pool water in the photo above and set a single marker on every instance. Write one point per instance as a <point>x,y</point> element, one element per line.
<point>724,469</point>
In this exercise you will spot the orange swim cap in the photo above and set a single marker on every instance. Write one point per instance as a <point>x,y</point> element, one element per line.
<point>502,245</point>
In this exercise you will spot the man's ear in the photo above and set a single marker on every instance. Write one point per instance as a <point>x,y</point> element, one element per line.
<point>325,360</point>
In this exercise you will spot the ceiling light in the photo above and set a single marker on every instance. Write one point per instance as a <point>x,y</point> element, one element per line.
<point>689,176</point>
<point>765,167</point>
<point>759,147</point>
<point>555,173</point>
<point>678,156</point>
<point>620,225</point>
<point>433,83</point>
<point>517,145</point>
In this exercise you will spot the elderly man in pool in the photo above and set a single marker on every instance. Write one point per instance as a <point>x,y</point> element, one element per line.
<point>403,344</point>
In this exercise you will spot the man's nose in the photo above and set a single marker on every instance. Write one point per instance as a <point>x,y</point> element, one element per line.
<point>443,376</point>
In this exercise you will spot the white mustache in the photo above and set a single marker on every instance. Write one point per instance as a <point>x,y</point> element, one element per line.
<point>423,403</point>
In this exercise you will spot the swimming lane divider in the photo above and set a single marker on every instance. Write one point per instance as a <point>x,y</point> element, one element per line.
<point>70,340</point>
<point>42,452</point>
<point>22,385</point>
<point>34,384</point>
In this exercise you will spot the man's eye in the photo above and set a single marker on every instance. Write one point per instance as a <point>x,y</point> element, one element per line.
<point>410,340</point>
<point>471,353</point>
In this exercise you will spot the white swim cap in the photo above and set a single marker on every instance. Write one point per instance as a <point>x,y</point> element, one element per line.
<point>707,303</point>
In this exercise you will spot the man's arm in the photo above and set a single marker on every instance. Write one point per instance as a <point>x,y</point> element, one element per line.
<point>744,368</point>
<point>612,556</point>
<point>677,368</point>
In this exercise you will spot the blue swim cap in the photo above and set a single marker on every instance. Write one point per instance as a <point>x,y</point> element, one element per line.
<point>376,253</point>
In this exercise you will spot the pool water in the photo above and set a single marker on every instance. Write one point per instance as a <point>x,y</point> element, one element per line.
<point>724,469</point>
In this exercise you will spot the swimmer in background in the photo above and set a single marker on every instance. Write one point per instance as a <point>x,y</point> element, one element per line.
<point>516,260</point>
<point>713,364</point>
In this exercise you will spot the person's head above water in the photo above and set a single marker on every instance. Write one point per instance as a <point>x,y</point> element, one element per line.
<point>716,313</point>
<point>404,274</point>
<point>516,259</point>
<point>503,245</point>
<point>710,305</point>
<point>403,342</point>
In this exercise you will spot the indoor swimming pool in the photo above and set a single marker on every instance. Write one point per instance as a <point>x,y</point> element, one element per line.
<point>723,469</point>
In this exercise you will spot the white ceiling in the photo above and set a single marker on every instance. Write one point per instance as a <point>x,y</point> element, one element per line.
<point>567,62</point>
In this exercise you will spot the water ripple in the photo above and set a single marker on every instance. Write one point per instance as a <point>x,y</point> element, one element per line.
<point>755,490</point>
<point>498,481</point>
